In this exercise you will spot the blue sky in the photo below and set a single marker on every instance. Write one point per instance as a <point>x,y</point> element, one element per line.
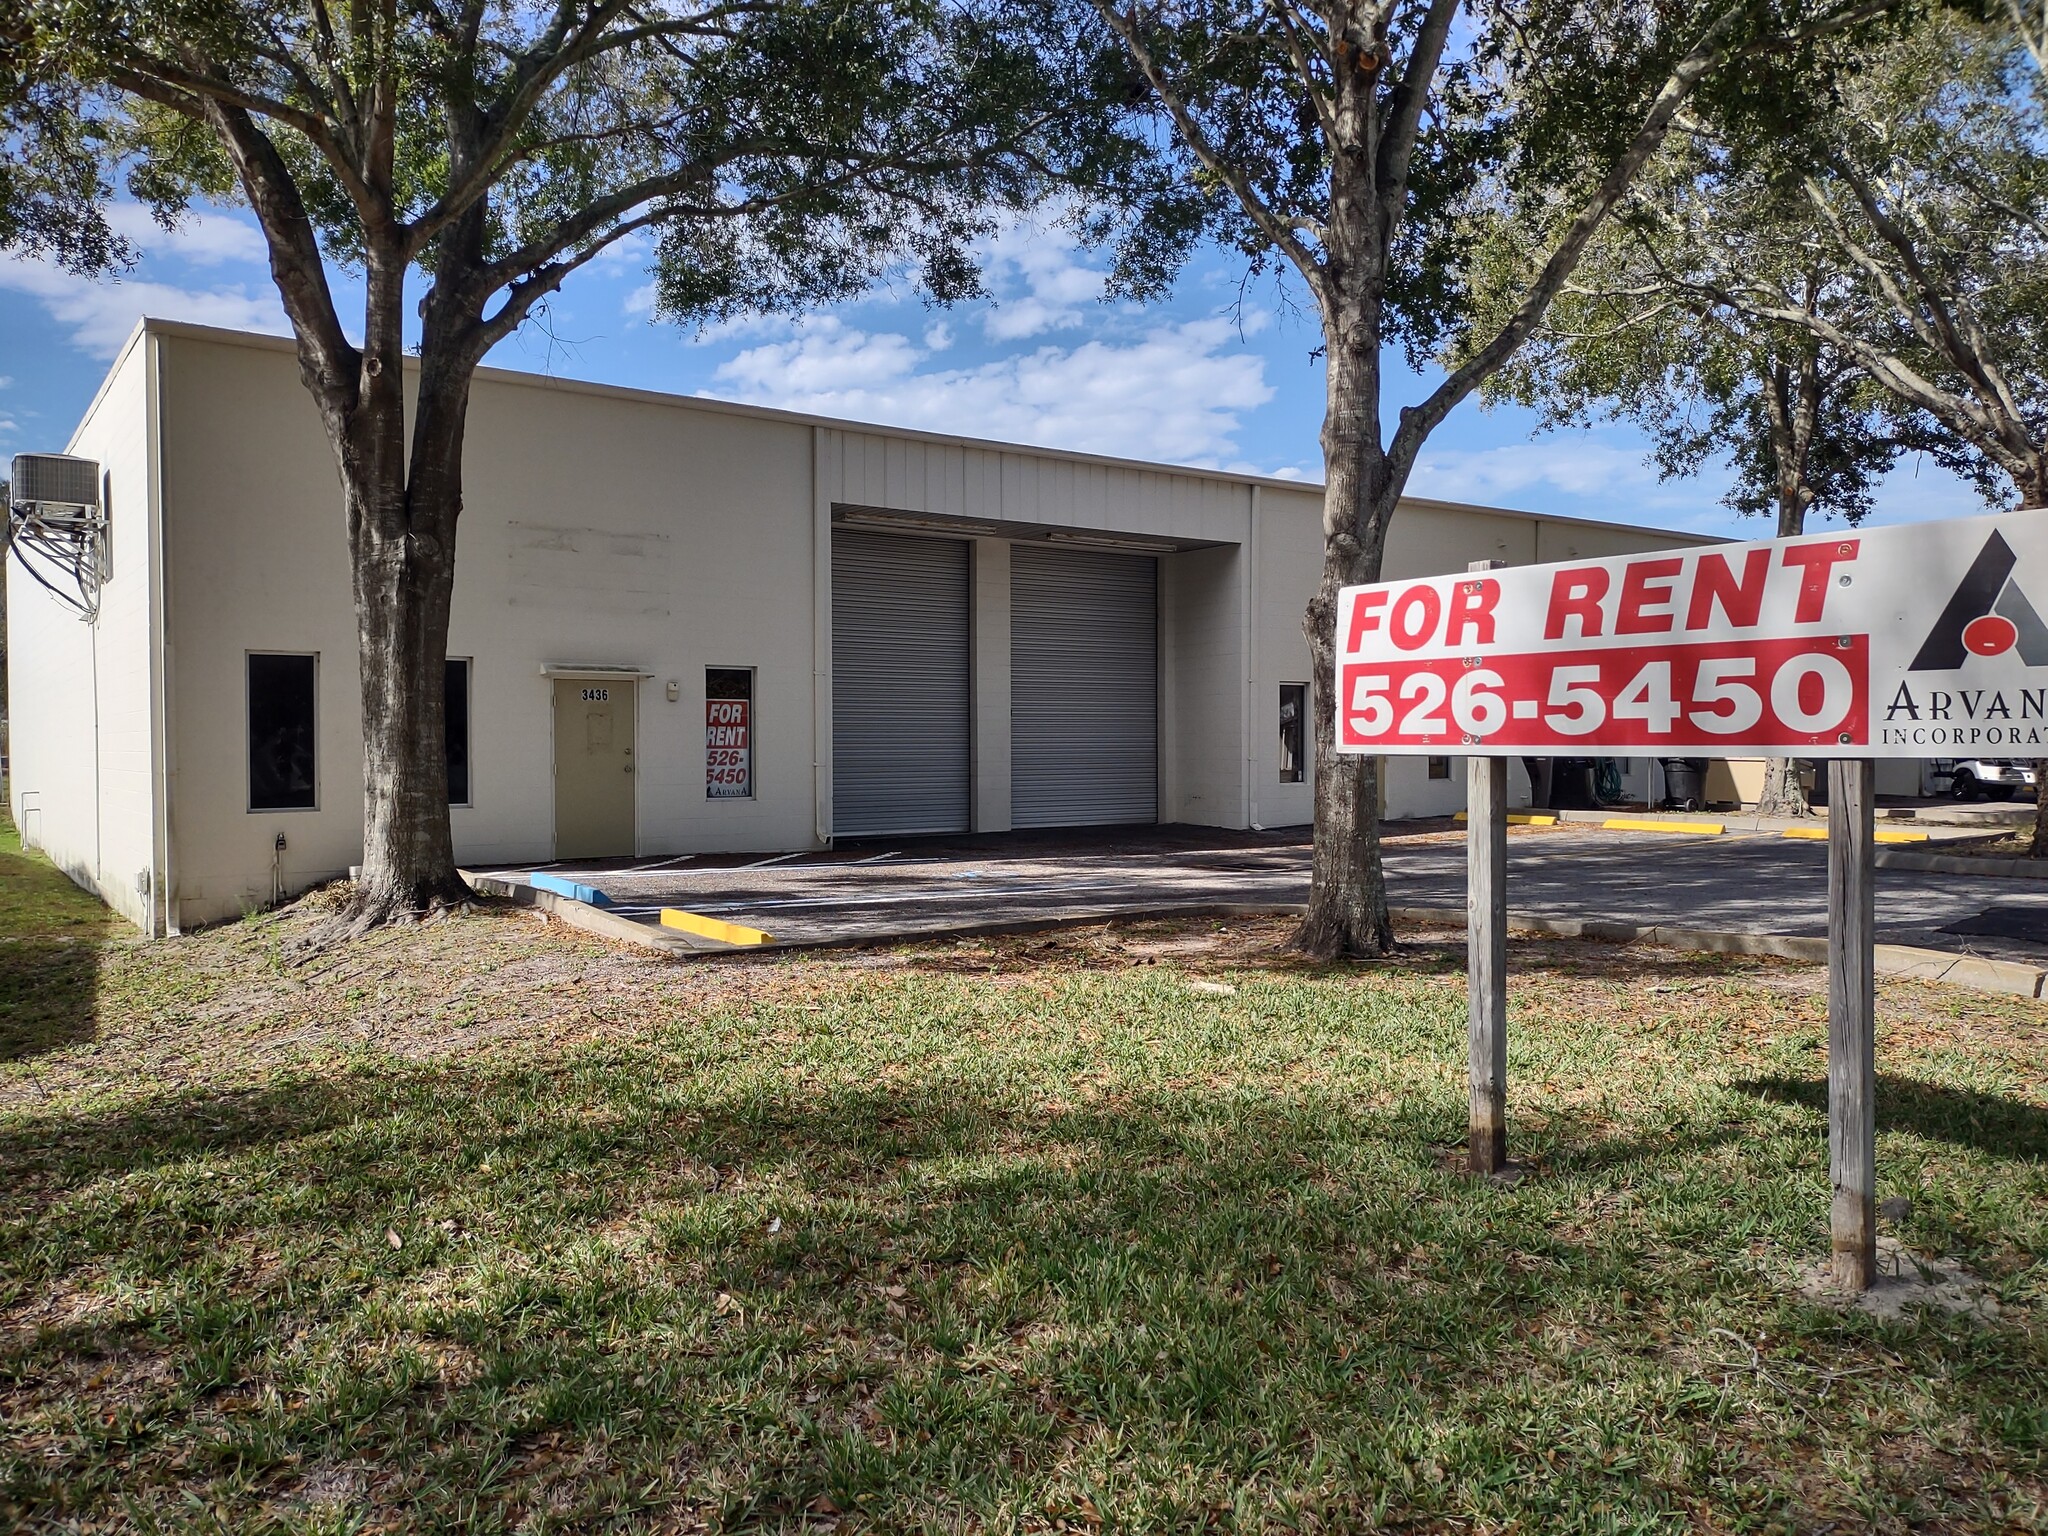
<point>1204,378</point>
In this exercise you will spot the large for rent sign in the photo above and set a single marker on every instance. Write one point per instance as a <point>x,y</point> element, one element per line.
<point>1915,641</point>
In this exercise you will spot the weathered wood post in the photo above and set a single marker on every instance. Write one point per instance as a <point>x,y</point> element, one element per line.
<point>1486,950</point>
<point>1852,1065</point>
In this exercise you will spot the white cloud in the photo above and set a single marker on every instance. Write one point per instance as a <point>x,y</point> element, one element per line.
<point>100,314</point>
<point>1574,466</point>
<point>1038,281</point>
<point>1284,472</point>
<point>1614,483</point>
<point>1174,394</point>
<point>6,382</point>
<point>632,252</point>
<point>205,240</point>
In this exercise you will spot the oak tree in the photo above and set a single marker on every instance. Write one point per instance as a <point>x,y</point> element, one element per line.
<point>1355,145</point>
<point>1803,429</point>
<point>463,158</point>
<point>1924,179</point>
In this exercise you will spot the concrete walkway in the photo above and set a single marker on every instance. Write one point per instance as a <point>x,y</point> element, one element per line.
<point>1745,882</point>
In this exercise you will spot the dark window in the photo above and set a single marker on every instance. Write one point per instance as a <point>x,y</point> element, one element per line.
<point>281,737</point>
<point>456,720</point>
<point>1293,732</point>
<point>1439,767</point>
<point>728,733</point>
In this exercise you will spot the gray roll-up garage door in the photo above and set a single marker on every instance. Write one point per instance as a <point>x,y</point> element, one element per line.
<point>1084,687</point>
<point>902,745</point>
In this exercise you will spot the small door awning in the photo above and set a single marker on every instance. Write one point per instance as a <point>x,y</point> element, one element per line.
<point>576,669</point>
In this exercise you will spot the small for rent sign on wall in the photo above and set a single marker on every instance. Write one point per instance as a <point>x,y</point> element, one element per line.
<point>728,749</point>
<point>1916,641</point>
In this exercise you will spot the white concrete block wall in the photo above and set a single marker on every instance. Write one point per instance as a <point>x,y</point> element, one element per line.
<point>614,527</point>
<point>81,729</point>
<point>1204,671</point>
<point>1287,563</point>
<point>697,530</point>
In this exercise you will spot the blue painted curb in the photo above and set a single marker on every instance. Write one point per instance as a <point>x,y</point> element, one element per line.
<point>589,894</point>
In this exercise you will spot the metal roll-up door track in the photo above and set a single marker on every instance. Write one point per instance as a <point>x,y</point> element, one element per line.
<point>1084,687</point>
<point>902,735</point>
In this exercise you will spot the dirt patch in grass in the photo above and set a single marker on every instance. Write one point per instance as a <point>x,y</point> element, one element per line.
<point>485,1225</point>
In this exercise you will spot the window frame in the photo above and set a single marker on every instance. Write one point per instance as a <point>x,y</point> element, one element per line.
<point>753,702</point>
<point>250,807</point>
<point>468,664</point>
<point>1431,771</point>
<point>1302,739</point>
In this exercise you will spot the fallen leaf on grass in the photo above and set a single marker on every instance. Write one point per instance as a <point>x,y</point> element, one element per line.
<point>1214,988</point>
<point>391,1236</point>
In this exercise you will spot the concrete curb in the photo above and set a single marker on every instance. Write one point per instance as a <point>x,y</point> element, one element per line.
<point>581,915</point>
<point>2006,977</point>
<point>1705,822</point>
<point>1956,864</point>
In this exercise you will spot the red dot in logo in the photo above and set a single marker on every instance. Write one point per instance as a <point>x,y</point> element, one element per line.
<point>1991,635</point>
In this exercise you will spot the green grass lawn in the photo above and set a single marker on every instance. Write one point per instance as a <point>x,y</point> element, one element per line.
<point>483,1227</point>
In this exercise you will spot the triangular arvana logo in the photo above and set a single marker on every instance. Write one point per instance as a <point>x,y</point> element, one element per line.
<point>1987,615</point>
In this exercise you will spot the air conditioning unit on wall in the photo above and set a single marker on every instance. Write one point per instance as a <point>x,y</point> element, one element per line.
<point>55,481</point>
<point>57,527</point>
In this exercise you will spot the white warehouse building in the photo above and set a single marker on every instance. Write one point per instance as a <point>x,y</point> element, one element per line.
<point>679,626</point>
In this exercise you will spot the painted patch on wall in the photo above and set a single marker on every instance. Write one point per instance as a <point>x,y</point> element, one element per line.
<point>588,569</point>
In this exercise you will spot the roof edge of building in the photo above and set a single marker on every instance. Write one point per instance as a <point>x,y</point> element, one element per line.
<point>143,328</point>
<point>264,341</point>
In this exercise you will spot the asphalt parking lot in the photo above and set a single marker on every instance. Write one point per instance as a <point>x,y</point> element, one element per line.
<point>1745,882</point>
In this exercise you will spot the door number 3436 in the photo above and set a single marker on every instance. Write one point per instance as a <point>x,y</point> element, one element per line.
<point>597,695</point>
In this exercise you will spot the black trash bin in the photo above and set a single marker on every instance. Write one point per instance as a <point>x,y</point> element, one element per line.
<point>1685,783</point>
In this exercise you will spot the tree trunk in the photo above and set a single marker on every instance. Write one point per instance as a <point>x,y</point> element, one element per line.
<point>403,587</point>
<point>402,502</point>
<point>1783,794</point>
<point>1347,900</point>
<point>1793,410</point>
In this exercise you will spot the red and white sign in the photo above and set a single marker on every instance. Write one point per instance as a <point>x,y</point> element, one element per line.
<point>728,749</point>
<point>1916,641</point>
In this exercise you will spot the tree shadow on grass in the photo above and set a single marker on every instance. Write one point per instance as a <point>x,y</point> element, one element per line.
<point>1986,1121</point>
<point>48,993</point>
<point>561,1291</point>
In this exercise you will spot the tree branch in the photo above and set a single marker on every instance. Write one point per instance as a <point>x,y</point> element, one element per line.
<point>326,356</point>
<point>1269,224</point>
<point>1404,108</point>
<point>1709,53</point>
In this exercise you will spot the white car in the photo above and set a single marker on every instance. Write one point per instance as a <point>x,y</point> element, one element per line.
<point>1989,778</point>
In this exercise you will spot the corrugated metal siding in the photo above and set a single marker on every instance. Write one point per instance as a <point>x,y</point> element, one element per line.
<point>1084,687</point>
<point>902,743</point>
<point>952,480</point>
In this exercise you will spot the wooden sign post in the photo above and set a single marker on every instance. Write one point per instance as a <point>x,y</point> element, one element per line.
<point>1852,987</point>
<point>1486,950</point>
